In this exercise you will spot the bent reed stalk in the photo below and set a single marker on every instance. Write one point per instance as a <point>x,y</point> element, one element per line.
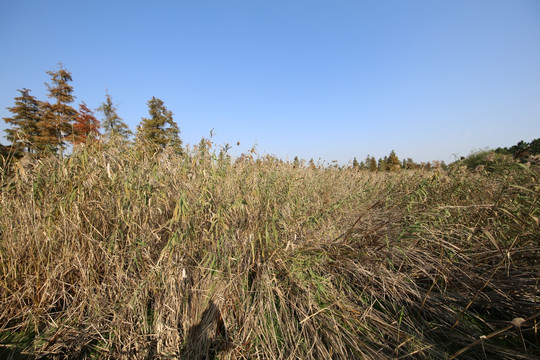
<point>117,253</point>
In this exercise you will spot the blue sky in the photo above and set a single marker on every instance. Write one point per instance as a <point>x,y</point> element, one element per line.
<point>309,78</point>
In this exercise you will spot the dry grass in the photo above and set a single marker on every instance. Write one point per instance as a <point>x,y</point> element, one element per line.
<point>116,253</point>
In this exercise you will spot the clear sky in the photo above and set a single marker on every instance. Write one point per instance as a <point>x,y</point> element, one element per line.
<point>316,79</point>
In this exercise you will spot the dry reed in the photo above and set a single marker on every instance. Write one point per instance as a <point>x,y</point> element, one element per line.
<point>118,253</point>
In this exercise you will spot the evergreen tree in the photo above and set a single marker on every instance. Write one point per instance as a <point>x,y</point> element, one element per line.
<point>381,164</point>
<point>112,124</point>
<point>522,149</point>
<point>520,146</point>
<point>296,162</point>
<point>355,164</point>
<point>26,114</point>
<point>372,163</point>
<point>86,125</point>
<point>61,114</point>
<point>160,129</point>
<point>534,147</point>
<point>49,138</point>
<point>410,164</point>
<point>393,163</point>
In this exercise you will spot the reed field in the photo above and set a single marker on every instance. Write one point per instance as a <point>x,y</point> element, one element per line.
<point>119,253</point>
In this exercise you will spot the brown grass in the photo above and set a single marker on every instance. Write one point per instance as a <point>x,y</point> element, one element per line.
<point>116,253</point>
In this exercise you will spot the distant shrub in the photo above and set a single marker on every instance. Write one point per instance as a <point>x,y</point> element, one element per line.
<point>490,161</point>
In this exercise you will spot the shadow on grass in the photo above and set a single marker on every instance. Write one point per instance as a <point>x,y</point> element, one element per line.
<point>208,337</point>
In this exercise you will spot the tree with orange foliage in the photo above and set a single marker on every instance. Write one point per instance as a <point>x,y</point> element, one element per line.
<point>85,125</point>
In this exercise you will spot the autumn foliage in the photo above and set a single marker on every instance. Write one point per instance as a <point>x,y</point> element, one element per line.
<point>40,127</point>
<point>85,126</point>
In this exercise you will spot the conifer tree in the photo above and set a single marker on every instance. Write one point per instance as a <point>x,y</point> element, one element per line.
<point>159,129</point>
<point>61,115</point>
<point>24,129</point>
<point>534,147</point>
<point>410,164</point>
<point>381,164</point>
<point>49,137</point>
<point>113,126</point>
<point>393,163</point>
<point>362,165</point>
<point>372,164</point>
<point>86,125</point>
<point>355,164</point>
<point>296,162</point>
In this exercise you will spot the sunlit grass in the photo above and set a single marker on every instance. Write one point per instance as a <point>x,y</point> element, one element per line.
<point>120,253</point>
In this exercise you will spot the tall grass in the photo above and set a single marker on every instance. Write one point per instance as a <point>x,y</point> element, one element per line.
<point>119,253</point>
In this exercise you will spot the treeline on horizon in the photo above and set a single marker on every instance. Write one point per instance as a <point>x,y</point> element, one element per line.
<point>39,128</point>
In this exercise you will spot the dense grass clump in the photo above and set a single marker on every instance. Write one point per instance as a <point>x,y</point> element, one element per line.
<point>119,253</point>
